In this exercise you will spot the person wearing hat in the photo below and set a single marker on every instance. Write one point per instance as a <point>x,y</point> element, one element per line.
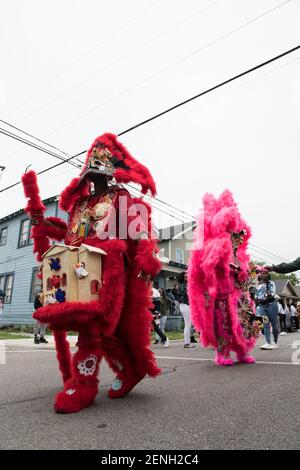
<point>268,307</point>
<point>117,325</point>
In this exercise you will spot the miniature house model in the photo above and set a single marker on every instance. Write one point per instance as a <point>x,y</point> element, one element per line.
<point>71,273</point>
<point>89,286</point>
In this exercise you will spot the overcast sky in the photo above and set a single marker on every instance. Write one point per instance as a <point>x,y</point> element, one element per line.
<point>71,70</point>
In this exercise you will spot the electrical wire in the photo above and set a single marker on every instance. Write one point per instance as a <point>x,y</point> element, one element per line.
<point>103,68</point>
<point>209,90</point>
<point>89,52</point>
<point>268,253</point>
<point>168,67</point>
<point>38,147</point>
<point>30,135</point>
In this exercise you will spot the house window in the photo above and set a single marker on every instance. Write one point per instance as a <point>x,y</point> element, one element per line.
<point>95,287</point>
<point>36,285</point>
<point>3,236</point>
<point>6,285</point>
<point>179,256</point>
<point>64,280</point>
<point>24,237</point>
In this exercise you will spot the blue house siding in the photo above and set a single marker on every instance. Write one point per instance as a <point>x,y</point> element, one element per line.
<point>21,262</point>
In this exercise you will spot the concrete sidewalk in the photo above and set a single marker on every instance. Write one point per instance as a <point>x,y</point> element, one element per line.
<point>29,342</point>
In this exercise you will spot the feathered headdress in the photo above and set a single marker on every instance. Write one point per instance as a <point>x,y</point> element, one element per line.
<point>107,156</point>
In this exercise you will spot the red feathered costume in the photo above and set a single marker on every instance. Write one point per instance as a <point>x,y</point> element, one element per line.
<point>118,324</point>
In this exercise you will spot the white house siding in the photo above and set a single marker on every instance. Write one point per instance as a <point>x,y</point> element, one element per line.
<point>21,262</point>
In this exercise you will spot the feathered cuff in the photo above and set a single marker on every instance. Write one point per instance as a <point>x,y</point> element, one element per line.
<point>56,230</point>
<point>145,258</point>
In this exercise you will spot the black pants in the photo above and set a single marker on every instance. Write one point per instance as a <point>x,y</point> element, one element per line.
<point>295,321</point>
<point>159,332</point>
<point>282,322</point>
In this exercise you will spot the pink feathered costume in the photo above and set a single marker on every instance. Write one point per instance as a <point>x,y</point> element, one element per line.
<point>221,308</point>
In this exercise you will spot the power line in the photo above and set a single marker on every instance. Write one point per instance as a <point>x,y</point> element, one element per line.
<point>120,58</point>
<point>179,61</point>
<point>209,90</point>
<point>30,135</point>
<point>44,171</point>
<point>232,90</point>
<point>38,147</point>
<point>270,253</point>
<point>85,54</point>
<point>165,203</point>
<point>153,200</point>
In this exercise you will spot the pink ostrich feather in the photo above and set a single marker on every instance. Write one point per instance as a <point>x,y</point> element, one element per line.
<point>209,273</point>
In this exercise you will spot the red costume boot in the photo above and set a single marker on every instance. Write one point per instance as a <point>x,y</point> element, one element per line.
<point>81,389</point>
<point>120,360</point>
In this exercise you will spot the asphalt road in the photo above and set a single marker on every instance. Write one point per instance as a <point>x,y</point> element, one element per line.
<point>194,404</point>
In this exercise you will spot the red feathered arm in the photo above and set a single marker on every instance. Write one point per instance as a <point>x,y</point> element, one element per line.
<point>145,258</point>
<point>43,229</point>
<point>145,254</point>
<point>52,227</point>
<point>35,209</point>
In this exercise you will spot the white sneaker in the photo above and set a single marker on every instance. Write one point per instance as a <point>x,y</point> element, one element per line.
<point>167,343</point>
<point>190,346</point>
<point>274,346</point>
<point>284,333</point>
<point>266,346</point>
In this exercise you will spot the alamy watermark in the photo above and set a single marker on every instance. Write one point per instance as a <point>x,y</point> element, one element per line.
<point>296,354</point>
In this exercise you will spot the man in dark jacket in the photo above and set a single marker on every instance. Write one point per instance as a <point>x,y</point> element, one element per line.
<point>285,268</point>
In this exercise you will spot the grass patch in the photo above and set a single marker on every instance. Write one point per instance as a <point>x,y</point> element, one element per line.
<point>7,335</point>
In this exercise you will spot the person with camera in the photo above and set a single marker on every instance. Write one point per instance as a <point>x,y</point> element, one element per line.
<point>268,308</point>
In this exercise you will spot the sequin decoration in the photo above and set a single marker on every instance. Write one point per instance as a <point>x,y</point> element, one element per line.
<point>117,384</point>
<point>87,366</point>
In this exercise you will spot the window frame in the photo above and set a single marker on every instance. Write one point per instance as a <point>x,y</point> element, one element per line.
<point>6,275</point>
<point>1,230</point>
<point>34,272</point>
<point>28,239</point>
<point>182,255</point>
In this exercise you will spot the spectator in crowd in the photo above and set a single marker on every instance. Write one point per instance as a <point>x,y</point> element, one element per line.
<point>2,297</point>
<point>175,293</point>
<point>172,300</point>
<point>185,310</point>
<point>294,316</point>
<point>288,318</point>
<point>298,312</point>
<point>282,317</point>
<point>268,308</point>
<point>156,299</point>
<point>39,329</point>
<point>165,305</point>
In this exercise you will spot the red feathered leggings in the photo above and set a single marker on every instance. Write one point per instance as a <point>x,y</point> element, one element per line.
<point>92,346</point>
